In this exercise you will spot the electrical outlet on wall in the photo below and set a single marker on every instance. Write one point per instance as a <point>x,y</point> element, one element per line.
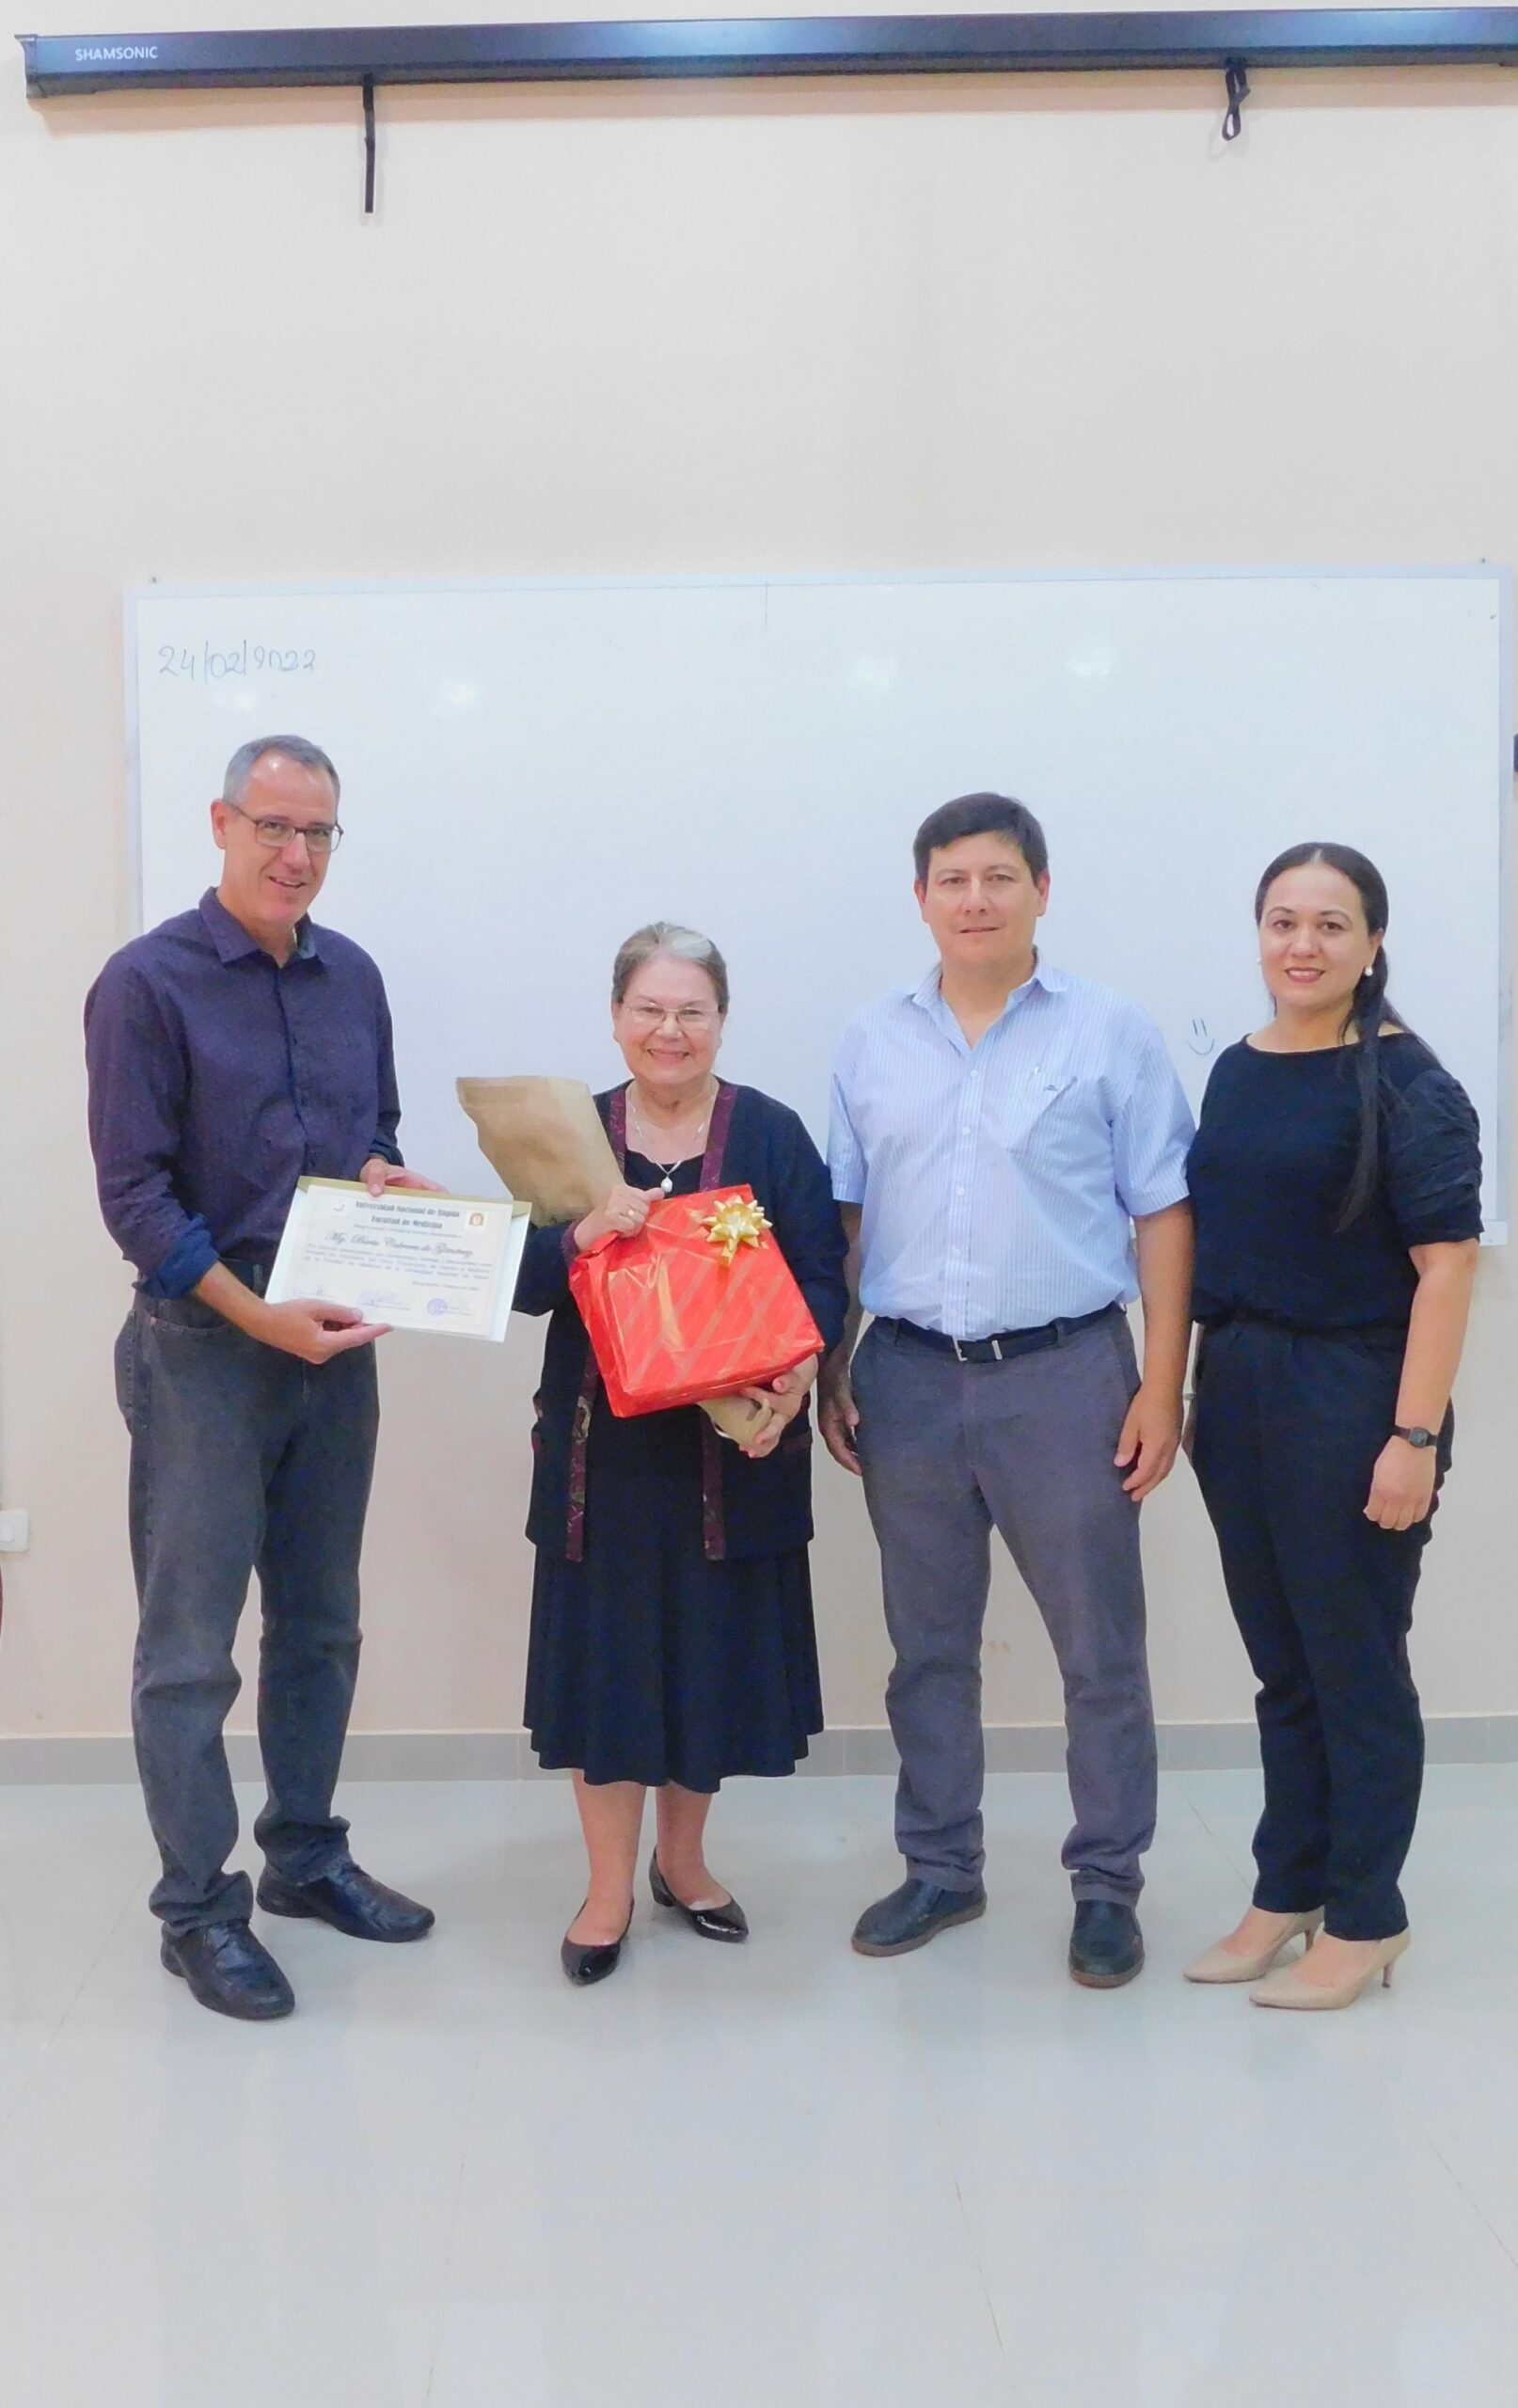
<point>15,1531</point>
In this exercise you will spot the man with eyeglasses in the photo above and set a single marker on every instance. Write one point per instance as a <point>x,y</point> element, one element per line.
<point>231,1050</point>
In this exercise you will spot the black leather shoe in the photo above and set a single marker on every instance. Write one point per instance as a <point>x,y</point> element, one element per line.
<point>713,1923</point>
<point>1106,1945</point>
<point>350,1900</point>
<point>229,1970</point>
<point>913,1915</point>
<point>586,1962</point>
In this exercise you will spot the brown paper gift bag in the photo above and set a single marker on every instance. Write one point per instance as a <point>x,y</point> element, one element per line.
<point>544,1139</point>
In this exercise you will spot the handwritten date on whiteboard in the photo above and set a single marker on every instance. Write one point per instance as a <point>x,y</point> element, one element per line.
<point>201,664</point>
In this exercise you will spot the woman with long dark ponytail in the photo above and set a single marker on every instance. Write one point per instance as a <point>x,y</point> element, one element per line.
<point>1336,1180</point>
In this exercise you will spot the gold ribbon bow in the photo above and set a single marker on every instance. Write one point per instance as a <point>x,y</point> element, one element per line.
<point>733,1224</point>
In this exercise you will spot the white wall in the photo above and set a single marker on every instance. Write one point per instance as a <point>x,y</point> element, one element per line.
<point>1037,323</point>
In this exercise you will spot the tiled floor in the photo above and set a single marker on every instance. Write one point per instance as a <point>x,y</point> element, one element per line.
<point>777,2177</point>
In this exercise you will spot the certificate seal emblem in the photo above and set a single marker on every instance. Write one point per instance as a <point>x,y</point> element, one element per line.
<point>437,1307</point>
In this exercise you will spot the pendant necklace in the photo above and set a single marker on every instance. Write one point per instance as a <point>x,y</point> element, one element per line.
<point>668,1169</point>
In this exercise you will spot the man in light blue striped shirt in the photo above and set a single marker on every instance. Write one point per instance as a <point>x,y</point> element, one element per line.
<point>1008,1144</point>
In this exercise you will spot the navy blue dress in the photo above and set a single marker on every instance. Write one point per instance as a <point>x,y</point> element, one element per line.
<point>672,1634</point>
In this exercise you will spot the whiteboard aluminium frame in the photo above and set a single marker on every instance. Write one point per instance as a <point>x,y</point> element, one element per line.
<point>156,590</point>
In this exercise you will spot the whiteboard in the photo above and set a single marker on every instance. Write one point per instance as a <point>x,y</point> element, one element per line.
<point>533,769</point>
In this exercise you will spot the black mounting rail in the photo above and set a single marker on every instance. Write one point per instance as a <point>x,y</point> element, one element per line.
<point>58,64</point>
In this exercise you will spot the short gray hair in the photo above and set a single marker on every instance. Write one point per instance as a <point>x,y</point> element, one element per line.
<point>246,760</point>
<point>679,944</point>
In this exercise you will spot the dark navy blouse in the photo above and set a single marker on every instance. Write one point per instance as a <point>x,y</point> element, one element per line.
<point>219,1079</point>
<point>1269,1169</point>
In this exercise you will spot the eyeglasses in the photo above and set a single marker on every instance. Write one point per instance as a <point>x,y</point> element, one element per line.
<point>691,1020</point>
<point>322,836</point>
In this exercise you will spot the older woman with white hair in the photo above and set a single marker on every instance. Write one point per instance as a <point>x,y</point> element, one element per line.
<point>673,1643</point>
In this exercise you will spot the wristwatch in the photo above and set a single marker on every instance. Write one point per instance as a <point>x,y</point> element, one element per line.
<point>1417,1435</point>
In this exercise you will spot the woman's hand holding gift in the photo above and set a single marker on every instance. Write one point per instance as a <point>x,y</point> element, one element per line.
<point>784,1398</point>
<point>622,1215</point>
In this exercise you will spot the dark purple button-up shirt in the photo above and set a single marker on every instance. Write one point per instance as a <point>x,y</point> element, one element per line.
<point>219,1079</point>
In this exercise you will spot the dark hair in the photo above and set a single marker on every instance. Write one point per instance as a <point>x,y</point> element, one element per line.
<point>981,815</point>
<point>1370,1005</point>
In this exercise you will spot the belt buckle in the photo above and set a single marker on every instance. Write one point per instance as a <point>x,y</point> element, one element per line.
<point>959,1345</point>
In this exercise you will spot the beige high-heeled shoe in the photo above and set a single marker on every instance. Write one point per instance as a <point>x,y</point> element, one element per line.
<point>1286,1989</point>
<point>1222,1964</point>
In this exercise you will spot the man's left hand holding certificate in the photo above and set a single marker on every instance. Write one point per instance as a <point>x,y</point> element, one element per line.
<point>404,1258</point>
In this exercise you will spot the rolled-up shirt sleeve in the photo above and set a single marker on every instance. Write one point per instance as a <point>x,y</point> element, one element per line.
<point>1152,1130</point>
<point>135,1060</point>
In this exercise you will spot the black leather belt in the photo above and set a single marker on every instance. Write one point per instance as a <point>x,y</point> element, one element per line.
<point>1009,1342</point>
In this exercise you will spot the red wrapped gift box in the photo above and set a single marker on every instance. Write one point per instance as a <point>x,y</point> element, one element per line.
<point>700,1304</point>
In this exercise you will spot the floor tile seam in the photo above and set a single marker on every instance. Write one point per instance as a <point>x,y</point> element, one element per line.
<point>981,2278</point>
<point>1243,1870</point>
<point>7,2116</point>
<point>943,2125</point>
<point>1415,2123</point>
<point>449,2252</point>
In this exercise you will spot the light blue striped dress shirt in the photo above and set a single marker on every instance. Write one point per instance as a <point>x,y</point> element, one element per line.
<point>999,1181</point>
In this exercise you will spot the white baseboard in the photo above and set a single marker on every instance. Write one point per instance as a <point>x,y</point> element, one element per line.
<point>505,1755</point>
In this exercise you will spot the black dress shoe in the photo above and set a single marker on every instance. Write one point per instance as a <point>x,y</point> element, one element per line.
<point>350,1900</point>
<point>229,1970</point>
<point>1106,1945</point>
<point>589,1961</point>
<point>913,1915</point>
<point>713,1923</point>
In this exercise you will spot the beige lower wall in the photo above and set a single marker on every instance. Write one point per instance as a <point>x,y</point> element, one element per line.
<point>1041,322</point>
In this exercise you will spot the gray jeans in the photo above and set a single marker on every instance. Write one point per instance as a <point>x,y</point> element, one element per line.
<point>948,1450</point>
<point>242,1459</point>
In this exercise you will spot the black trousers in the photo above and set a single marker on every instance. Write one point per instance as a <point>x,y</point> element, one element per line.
<point>1288,1427</point>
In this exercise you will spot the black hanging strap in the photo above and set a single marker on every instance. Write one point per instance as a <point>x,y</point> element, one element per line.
<point>1236,79</point>
<point>369,145</point>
